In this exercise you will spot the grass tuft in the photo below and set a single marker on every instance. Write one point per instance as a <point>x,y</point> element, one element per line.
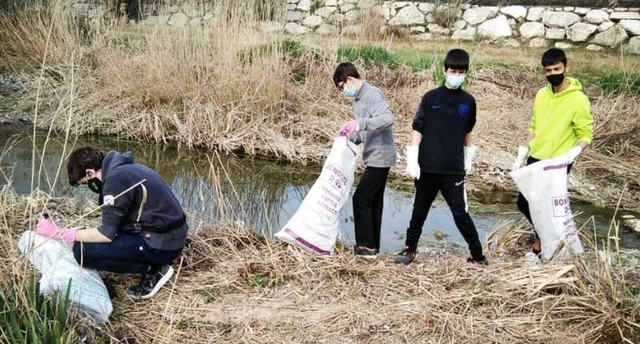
<point>620,83</point>
<point>369,55</point>
<point>26,316</point>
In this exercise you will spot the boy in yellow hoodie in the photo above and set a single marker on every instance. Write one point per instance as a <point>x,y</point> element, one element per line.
<point>561,125</point>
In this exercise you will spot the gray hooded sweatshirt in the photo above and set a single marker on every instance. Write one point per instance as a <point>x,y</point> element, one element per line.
<point>375,127</point>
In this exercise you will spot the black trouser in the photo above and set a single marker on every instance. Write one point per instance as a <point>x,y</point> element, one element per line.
<point>368,201</point>
<point>127,253</point>
<point>522,203</point>
<point>454,193</point>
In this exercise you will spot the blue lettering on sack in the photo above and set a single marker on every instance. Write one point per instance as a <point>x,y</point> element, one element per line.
<point>463,109</point>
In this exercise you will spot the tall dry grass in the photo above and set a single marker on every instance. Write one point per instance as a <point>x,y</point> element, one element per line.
<point>233,285</point>
<point>235,90</point>
<point>229,87</point>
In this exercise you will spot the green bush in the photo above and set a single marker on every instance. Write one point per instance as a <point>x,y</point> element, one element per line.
<point>289,49</point>
<point>423,63</point>
<point>617,83</point>
<point>369,55</point>
<point>39,320</point>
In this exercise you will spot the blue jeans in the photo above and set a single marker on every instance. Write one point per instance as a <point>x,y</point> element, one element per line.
<point>125,254</point>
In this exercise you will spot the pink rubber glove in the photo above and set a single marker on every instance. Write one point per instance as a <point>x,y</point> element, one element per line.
<point>348,128</point>
<point>47,228</point>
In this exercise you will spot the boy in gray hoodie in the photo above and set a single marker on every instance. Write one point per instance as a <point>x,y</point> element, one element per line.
<point>373,126</point>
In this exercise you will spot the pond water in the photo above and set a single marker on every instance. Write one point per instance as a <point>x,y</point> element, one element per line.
<point>262,193</point>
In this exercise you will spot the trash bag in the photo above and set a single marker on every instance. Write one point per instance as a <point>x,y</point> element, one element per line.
<point>544,185</point>
<point>54,259</point>
<point>315,225</point>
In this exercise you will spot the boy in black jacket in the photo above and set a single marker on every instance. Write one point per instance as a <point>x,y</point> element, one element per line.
<point>441,153</point>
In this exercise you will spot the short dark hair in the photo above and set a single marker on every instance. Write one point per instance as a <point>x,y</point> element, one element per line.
<point>456,59</point>
<point>553,56</point>
<point>81,160</point>
<point>343,71</point>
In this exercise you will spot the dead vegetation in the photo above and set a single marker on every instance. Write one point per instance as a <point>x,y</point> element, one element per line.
<point>232,285</point>
<point>238,91</point>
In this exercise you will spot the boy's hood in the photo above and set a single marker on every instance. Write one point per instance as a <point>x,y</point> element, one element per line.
<point>114,159</point>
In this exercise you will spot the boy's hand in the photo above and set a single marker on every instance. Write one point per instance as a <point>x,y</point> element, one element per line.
<point>522,154</point>
<point>572,154</point>
<point>469,153</point>
<point>413,168</point>
<point>48,229</point>
<point>348,128</point>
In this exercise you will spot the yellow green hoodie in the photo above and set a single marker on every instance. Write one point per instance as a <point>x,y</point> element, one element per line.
<point>560,120</point>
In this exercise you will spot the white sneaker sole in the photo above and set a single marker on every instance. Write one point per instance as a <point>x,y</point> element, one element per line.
<point>366,256</point>
<point>159,284</point>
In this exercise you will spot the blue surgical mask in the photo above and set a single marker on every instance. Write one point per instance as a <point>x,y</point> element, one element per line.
<point>349,92</point>
<point>455,81</point>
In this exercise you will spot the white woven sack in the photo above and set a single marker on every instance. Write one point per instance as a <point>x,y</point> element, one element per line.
<point>315,225</point>
<point>544,185</point>
<point>54,259</point>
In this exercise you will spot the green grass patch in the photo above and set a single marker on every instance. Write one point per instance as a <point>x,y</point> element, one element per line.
<point>184,323</point>
<point>299,77</point>
<point>618,83</point>
<point>369,55</point>
<point>28,317</point>
<point>212,294</point>
<point>288,49</point>
<point>263,280</point>
<point>259,280</point>
<point>423,63</point>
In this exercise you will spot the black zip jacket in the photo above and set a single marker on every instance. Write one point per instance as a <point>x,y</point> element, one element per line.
<point>444,118</point>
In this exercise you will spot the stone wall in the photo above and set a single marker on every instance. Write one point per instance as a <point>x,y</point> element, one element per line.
<point>563,27</point>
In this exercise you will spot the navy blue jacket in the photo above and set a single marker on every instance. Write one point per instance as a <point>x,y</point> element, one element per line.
<point>444,118</point>
<point>161,208</point>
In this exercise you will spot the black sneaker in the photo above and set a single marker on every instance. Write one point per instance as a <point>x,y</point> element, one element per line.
<point>365,252</point>
<point>483,261</point>
<point>150,284</point>
<point>405,257</point>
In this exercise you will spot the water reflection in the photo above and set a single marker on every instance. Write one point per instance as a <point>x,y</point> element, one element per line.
<point>264,194</point>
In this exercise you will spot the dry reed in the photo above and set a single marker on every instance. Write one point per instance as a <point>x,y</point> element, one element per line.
<point>231,88</point>
<point>233,285</point>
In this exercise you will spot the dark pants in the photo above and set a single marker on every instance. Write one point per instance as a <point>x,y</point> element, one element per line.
<point>368,202</point>
<point>125,254</point>
<point>454,193</point>
<point>522,203</point>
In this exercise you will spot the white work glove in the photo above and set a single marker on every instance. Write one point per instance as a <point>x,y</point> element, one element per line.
<point>469,153</point>
<point>572,154</point>
<point>413,168</point>
<point>522,154</point>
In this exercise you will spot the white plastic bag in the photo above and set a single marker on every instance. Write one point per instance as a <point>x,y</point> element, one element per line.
<point>544,185</point>
<point>315,225</point>
<point>54,259</point>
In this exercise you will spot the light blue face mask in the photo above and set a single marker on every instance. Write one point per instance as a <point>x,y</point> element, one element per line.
<point>455,81</point>
<point>349,92</point>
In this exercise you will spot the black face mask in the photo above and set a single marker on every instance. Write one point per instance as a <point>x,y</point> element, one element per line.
<point>95,185</point>
<point>555,79</point>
